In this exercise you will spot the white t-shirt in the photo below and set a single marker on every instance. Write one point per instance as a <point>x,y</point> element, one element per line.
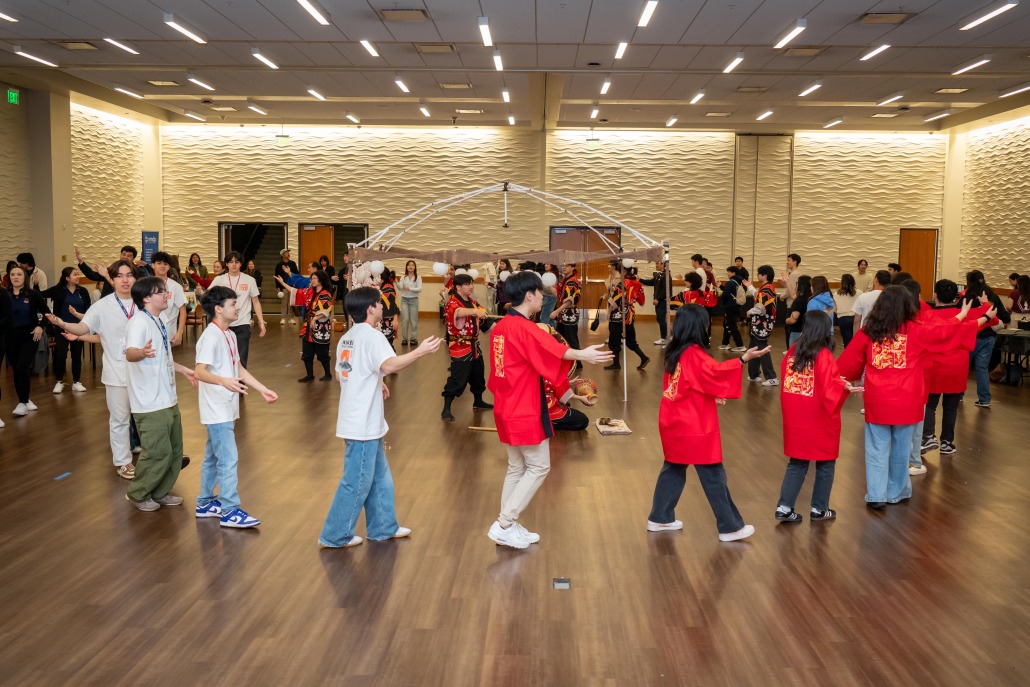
<point>109,317</point>
<point>359,355</point>
<point>864,304</point>
<point>151,380</point>
<point>245,288</point>
<point>170,315</point>
<point>217,349</point>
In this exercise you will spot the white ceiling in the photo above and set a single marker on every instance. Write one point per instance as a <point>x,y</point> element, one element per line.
<point>572,42</point>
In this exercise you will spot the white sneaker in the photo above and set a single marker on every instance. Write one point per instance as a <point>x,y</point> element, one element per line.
<point>664,526</point>
<point>724,348</point>
<point>739,349</point>
<point>20,410</point>
<point>916,469</point>
<point>506,537</point>
<point>2,425</point>
<point>771,382</point>
<point>293,321</point>
<point>659,342</point>
<point>863,411</point>
<point>743,533</point>
<point>531,537</point>
<point>401,532</point>
<point>31,406</point>
<point>77,386</point>
<point>754,379</point>
<point>59,387</point>
<point>282,321</point>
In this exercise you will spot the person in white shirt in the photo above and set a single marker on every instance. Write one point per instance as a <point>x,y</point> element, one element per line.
<point>109,318</point>
<point>411,289</point>
<point>174,316</point>
<point>363,358</point>
<point>864,303</point>
<point>153,399</point>
<point>247,299</point>
<point>864,278</point>
<point>222,379</point>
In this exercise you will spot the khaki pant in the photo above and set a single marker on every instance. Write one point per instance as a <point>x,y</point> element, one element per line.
<point>159,463</point>
<point>527,468</point>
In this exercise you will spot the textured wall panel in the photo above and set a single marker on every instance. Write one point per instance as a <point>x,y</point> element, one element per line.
<point>373,176</point>
<point>15,183</point>
<point>107,182</point>
<point>745,180</point>
<point>853,192</point>
<point>996,210</point>
<point>773,202</point>
<point>676,186</point>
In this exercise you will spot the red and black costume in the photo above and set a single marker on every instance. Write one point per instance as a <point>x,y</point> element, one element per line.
<point>390,311</point>
<point>568,322</point>
<point>467,368</point>
<point>633,293</point>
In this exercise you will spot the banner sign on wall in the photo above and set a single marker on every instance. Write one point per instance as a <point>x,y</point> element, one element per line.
<point>149,245</point>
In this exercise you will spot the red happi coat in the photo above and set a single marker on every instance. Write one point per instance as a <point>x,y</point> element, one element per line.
<point>947,372</point>
<point>463,332</point>
<point>895,391</point>
<point>810,401</point>
<point>523,356</point>
<point>553,393</point>
<point>687,417</point>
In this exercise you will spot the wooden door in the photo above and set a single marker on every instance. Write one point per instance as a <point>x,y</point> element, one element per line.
<point>316,240</point>
<point>917,254</point>
<point>594,274</point>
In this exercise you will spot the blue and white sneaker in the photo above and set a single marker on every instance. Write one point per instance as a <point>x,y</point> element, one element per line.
<point>239,519</point>
<point>211,510</point>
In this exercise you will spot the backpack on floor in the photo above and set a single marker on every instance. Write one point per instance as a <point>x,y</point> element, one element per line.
<point>1013,375</point>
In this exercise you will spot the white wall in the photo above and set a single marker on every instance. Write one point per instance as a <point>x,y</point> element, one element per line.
<point>16,233</point>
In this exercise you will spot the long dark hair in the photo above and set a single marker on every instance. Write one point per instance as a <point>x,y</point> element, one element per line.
<point>199,262</point>
<point>324,284</point>
<point>507,265</point>
<point>847,285</point>
<point>411,262</point>
<point>1023,284</point>
<point>976,287</point>
<point>689,328</point>
<point>804,290</point>
<point>816,334</point>
<point>819,285</point>
<point>893,308</point>
<point>65,273</point>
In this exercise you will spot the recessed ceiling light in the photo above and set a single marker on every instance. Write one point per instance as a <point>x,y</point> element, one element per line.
<point>885,17</point>
<point>18,51</point>
<point>400,83</point>
<point>404,15</point>
<point>468,111</point>
<point>605,86</point>
<point>890,99</point>
<point>811,89</point>
<point>951,91</point>
<point>1003,7</point>
<point>76,45</point>
<point>621,50</point>
<point>937,115</point>
<point>370,48</point>
<point>316,12</point>
<point>671,120</point>
<point>352,117</point>
<point>1017,89</point>
<point>697,97</point>
<point>649,9</point>
<point>733,65</point>
<point>884,115</point>
<point>316,94</point>
<point>874,52</point>
<point>193,115</point>
<point>224,108</point>
<point>833,122</point>
<point>123,46</point>
<point>161,82</point>
<point>434,48</point>
<point>506,96</point>
<point>193,79</point>
<point>764,115</point>
<point>256,52</point>
<point>7,17</point>
<point>800,24</point>
<point>184,29</point>
<point>972,64</point>
<point>497,61</point>
<point>484,30</point>
<point>256,108</point>
<point>717,114</point>
<point>126,91</point>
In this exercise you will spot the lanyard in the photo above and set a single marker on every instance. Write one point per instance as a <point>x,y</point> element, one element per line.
<point>164,332</point>
<point>128,313</point>
<point>232,350</point>
<point>228,278</point>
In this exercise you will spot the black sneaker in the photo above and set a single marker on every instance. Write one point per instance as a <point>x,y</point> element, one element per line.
<point>483,405</point>
<point>947,448</point>
<point>788,517</point>
<point>325,378</point>
<point>308,378</point>
<point>876,505</point>
<point>983,404</point>
<point>643,363</point>
<point>613,366</point>
<point>929,444</point>
<point>823,514</point>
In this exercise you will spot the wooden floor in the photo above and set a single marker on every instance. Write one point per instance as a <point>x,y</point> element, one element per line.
<point>92,592</point>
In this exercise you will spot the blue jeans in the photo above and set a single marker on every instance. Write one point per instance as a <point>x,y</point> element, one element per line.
<point>219,467</point>
<point>545,312</point>
<point>792,337</point>
<point>887,450</point>
<point>915,455</point>
<point>409,319</point>
<point>366,483</point>
<point>981,358</point>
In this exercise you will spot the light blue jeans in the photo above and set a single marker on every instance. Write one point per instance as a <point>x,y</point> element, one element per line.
<point>794,336</point>
<point>219,468</point>
<point>887,450</point>
<point>366,483</point>
<point>409,319</point>
<point>545,312</point>
<point>915,456</point>
<point>981,358</point>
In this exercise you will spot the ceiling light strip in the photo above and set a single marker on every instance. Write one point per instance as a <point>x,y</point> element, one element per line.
<point>400,83</point>
<point>193,115</point>
<point>370,48</point>
<point>184,29</point>
<point>7,17</point>
<point>484,30</point>
<point>497,61</point>
<point>937,115</point>
<point>506,96</point>
<point>891,98</point>
<point>833,122</point>
<point>767,113</point>
<point>621,50</point>
<point>605,86</point>
<point>316,94</point>
<point>316,12</point>
<point>511,120</point>
<point>648,12</point>
<point>799,25</point>
<point>811,89</point>
<point>350,116</point>
<point>671,120</point>
<point>874,52</point>
<point>193,79</point>
<point>256,108</point>
<point>18,51</point>
<point>697,98</point>
<point>733,65</point>
<point>1018,89</point>
<point>126,91</point>
<point>1004,7</point>
<point>973,64</point>
<point>121,45</point>
<point>256,52</point>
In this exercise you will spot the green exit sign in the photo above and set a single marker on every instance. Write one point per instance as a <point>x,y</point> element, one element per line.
<point>13,96</point>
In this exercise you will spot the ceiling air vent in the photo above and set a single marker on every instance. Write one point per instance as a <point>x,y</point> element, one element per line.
<point>464,86</point>
<point>803,51</point>
<point>434,48</point>
<point>951,91</point>
<point>161,82</point>
<point>469,111</point>
<point>223,108</point>
<point>76,45</point>
<point>884,115</point>
<point>717,114</point>
<point>885,17</point>
<point>404,15</point>
<point>752,89</point>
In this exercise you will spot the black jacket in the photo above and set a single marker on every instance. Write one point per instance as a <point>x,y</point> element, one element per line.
<point>657,280</point>
<point>36,302</point>
<point>58,293</point>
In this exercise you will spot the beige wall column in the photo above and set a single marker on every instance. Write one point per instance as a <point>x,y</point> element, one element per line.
<point>51,173</point>
<point>951,225</point>
<point>153,194</point>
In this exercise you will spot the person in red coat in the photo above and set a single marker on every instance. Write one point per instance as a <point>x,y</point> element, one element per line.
<point>688,423</point>
<point>811,397</point>
<point>522,357</point>
<point>890,348</point>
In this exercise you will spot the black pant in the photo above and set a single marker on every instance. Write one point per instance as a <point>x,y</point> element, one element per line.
<point>61,346</point>
<point>795,477</point>
<point>669,488</point>
<point>21,351</point>
<point>242,332</point>
<point>574,421</point>
<point>468,371</point>
<point>615,340</point>
<point>3,352</point>
<point>661,311</point>
<point>729,327</point>
<point>310,350</point>
<point>569,332</point>
<point>847,328</point>
<point>764,363</point>
<point>950,413</point>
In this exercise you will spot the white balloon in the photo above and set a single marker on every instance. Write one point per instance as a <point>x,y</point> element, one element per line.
<point>474,273</point>
<point>549,279</point>
<point>439,268</point>
<point>503,275</point>
<point>460,270</point>
<point>377,267</point>
<point>627,263</point>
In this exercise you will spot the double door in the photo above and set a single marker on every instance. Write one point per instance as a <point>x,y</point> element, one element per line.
<point>594,273</point>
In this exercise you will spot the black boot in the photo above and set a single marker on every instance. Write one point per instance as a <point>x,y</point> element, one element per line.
<point>481,404</point>
<point>613,366</point>
<point>446,414</point>
<point>643,362</point>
